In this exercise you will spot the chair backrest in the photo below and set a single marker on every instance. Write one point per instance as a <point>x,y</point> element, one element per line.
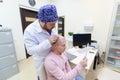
<point>42,72</point>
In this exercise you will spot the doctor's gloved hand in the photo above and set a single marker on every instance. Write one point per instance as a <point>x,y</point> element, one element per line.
<point>84,62</point>
<point>53,38</point>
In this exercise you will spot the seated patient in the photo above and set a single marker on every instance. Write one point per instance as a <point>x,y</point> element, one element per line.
<point>56,63</point>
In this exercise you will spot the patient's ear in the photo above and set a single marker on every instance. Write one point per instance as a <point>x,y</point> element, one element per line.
<point>54,46</point>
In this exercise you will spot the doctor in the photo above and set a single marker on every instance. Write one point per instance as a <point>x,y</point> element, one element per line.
<point>39,35</point>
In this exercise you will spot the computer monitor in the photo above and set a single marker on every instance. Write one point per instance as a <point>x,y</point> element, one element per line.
<point>81,40</point>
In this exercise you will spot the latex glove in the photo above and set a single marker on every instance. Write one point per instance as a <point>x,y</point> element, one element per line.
<point>53,38</point>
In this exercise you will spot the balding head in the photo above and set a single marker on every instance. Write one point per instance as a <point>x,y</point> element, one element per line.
<point>59,46</point>
<point>59,40</point>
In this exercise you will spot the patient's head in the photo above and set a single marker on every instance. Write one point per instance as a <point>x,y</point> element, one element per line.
<point>59,46</point>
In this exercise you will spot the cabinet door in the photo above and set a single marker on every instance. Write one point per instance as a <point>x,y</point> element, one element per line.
<point>113,57</point>
<point>8,72</point>
<point>7,61</point>
<point>6,49</point>
<point>5,36</point>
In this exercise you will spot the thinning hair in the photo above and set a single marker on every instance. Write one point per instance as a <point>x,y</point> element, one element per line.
<point>58,42</point>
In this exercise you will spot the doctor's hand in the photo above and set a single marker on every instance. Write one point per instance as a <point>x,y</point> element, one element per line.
<point>84,62</point>
<point>53,38</point>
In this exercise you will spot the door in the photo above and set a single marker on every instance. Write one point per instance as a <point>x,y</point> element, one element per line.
<point>27,17</point>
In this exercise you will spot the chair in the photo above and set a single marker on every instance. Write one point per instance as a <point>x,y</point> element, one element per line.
<point>42,72</point>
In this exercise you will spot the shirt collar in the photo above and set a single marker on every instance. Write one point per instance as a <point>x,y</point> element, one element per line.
<point>38,27</point>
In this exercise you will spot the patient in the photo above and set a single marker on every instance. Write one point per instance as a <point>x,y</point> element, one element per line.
<point>57,66</point>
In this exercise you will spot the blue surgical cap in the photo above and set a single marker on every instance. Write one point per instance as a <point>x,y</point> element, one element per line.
<point>47,13</point>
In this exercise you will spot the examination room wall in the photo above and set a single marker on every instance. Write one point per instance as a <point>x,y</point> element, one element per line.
<point>79,13</point>
<point>10,17</point>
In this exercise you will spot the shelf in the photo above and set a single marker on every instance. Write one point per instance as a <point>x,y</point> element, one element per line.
<point>118,14</point>
<point>115,38</point>
<point>115,57</point>
<point>59,28</point>
<point>113,65</point>
<point>115,47</point>
<point>60,22</point>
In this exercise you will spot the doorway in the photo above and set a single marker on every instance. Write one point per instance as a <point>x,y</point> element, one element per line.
<point>27,17</point>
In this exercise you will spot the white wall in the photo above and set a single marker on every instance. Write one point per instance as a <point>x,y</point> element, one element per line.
<point>80,12</point>
<point>10,17</point>
<point>77,13</point>
<point>39,3</point>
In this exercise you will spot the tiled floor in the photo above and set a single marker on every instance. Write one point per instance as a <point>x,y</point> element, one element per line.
<point>108,74</point>
<point>27,72</point>
<point>92,75</point>
<point>103,73</point>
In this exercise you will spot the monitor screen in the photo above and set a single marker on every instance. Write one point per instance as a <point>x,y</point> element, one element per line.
<point>81,39</point>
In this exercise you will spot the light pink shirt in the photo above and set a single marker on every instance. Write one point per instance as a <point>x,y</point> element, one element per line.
<point>58,68</point>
